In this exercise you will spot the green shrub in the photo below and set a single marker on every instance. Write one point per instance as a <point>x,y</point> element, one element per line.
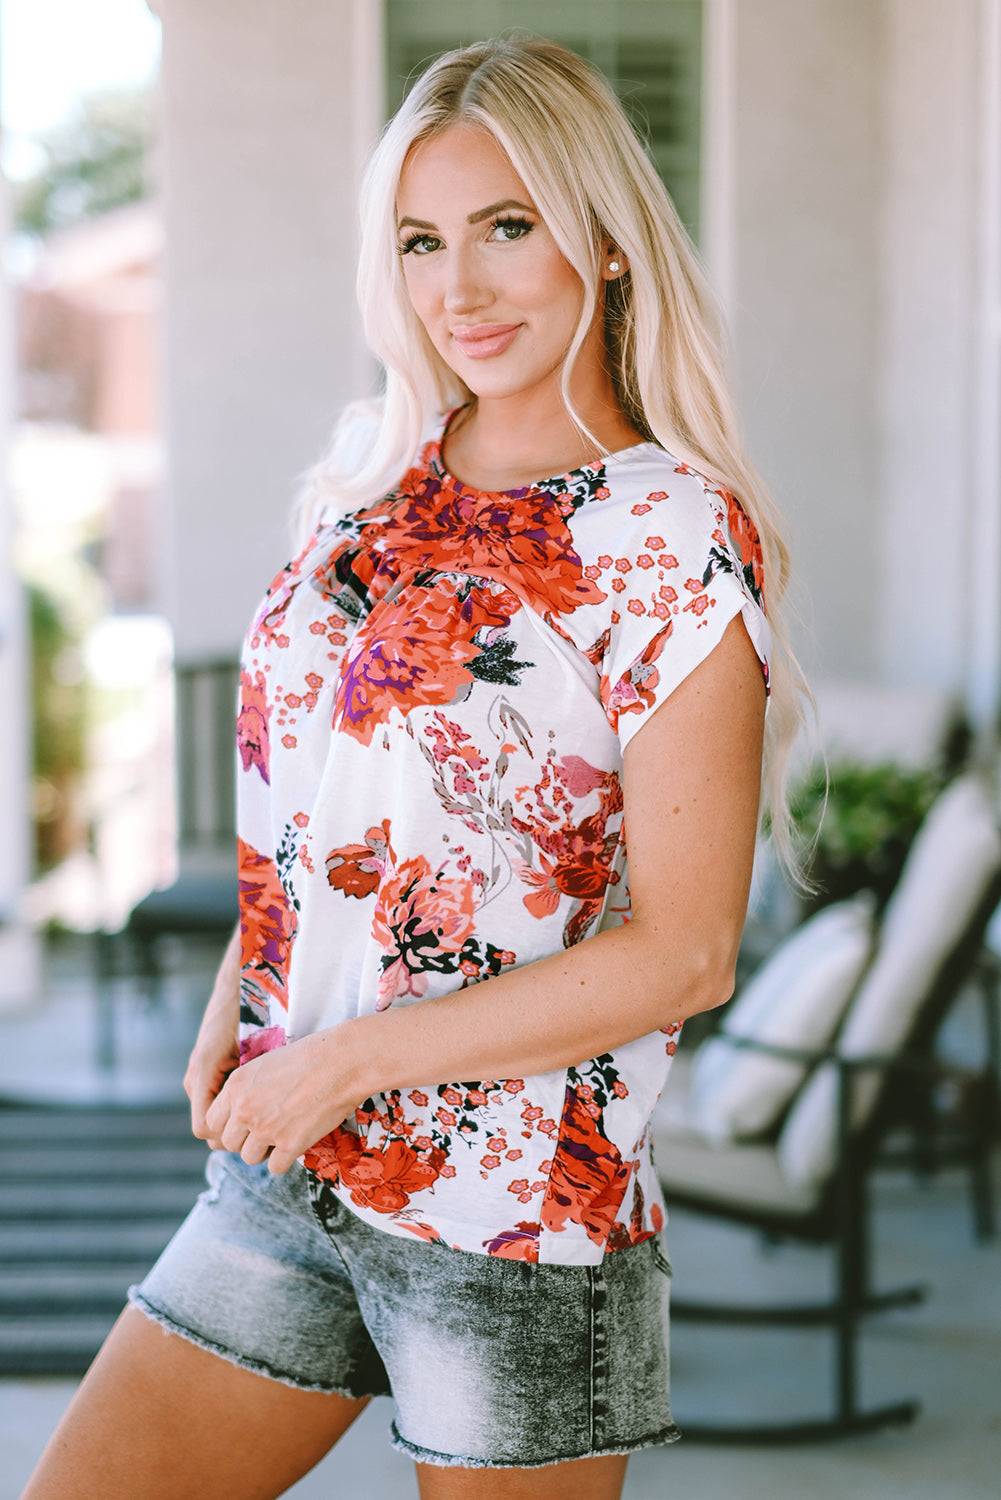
<point>861,826</point>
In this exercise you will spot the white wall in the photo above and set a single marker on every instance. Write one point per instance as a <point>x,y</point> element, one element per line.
<point>806,171</point>
<point>862,148</point>
<point>265,108</point>
<point>929,231</point>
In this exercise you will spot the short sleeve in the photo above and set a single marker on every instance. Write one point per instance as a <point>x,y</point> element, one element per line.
<point>690,562</point>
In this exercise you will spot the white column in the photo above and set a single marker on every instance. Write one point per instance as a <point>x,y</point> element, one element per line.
<point>984,671</point>
<point>719,145</point>
<point>19,957</point>
<point>805,168</point>
<point>931,552</point>
<point>267,110</point>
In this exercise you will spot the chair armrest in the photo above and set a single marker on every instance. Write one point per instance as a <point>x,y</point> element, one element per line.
<point>774,1049</point>
<point>900,1062</point>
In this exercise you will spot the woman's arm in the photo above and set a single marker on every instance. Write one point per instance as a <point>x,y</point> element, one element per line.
<point>691,780</point>
<point>216,1051</point>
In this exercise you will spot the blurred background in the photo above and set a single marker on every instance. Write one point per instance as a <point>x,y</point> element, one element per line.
<point>181,333</point>
<point>178,333</point>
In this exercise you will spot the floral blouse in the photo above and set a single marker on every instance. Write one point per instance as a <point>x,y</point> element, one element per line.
<point>435,699</point>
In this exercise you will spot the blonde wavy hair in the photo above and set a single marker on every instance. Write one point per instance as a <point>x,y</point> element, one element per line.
<point>567,137</point>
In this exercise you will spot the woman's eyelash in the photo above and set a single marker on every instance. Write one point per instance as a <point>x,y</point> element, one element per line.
<point>413,242</point>
<point>501,222</point>
<point>505,222</point>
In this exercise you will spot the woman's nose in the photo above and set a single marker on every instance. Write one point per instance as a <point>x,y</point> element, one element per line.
<point>466,288</point>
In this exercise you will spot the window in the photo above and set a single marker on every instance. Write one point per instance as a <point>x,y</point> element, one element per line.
<point>650,50</point>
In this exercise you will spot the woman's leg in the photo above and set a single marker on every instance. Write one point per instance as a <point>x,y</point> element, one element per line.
<point>158,1417</point>
<point>583,1478</point>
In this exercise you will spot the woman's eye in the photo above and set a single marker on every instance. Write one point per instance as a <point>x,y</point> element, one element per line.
<point>508,230</point>
<point>420,244</point>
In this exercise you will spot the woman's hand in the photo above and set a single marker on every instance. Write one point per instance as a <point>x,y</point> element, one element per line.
<point>217,1049</point>
<point>279,1104</point>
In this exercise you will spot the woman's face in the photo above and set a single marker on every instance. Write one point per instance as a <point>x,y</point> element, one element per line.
<point>497,297</point>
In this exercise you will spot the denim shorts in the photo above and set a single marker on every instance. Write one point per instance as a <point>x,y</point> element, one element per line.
<point>490,1362</point>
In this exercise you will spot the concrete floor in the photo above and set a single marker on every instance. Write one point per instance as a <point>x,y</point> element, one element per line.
<point>946,1352</point>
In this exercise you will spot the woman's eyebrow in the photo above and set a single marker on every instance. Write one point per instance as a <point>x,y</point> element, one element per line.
<point>496,208</point>
<point>475,218</point>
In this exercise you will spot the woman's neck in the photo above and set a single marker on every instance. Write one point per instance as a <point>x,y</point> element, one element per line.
<point>507,444</point>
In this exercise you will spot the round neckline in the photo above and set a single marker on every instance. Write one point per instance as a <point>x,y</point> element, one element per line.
<point>567,478</point>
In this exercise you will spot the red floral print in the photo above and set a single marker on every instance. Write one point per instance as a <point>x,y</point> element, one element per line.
<point>414,650</point>
<point>264,1039</point>
<point>380,1179</point>
<point>252,724</point>
<point>589,1178</point>
<point>636,689</point>
<point>501,648</point>
<point>519,1243</point>
<point>746,536</point>
<point>356,869</point>
<point>267,923</point>
<point>419,917</point>
<point>520,537</point>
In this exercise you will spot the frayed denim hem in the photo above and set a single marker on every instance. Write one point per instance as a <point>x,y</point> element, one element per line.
<point>255,1366</point>
<point>451,1461</point>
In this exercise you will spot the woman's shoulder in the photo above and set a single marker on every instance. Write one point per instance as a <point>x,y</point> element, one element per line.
<point>648,483</point>
<point>657,520</point>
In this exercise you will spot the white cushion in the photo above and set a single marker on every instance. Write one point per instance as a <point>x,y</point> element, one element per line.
<point>951,862</point>
<point>795,999</point>
<point>745,1175</point>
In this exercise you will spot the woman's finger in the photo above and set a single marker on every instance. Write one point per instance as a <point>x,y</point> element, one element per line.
<point>234,1134</point>
<point>203,1082</point>
<point>280,1161</point>
<point>254,1151</point>
<point>217,1115</point>
<point>202,1098</point>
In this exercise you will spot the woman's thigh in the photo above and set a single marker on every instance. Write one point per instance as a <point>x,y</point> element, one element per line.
<point>244,1359</point>
<point>157,1416</point>
<point>583,1478</point>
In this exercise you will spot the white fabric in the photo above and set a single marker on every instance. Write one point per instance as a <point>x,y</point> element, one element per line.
<point>796,999</point>
<point>436,695</point>
<point>744,1175</point>
<point>955,855</point>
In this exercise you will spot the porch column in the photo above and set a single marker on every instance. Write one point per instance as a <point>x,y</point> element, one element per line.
<point>804,111</point>
<point>937,559</point>
<point>267,111</point>
<point>19,955</point>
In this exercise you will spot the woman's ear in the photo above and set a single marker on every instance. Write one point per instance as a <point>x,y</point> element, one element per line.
<point>613,262</point>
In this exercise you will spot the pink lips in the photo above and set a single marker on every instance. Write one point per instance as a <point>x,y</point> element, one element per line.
<point>482,340</point>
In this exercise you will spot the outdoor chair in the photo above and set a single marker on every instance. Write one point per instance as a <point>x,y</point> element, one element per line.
<point>201,903</point>
<point>778,1120</point>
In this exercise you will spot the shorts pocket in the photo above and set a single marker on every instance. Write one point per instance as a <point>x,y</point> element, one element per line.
<point>660,1260</point>
<point>215,1176</point>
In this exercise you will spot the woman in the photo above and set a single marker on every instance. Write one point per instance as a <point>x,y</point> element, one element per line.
<point>457,1005</point>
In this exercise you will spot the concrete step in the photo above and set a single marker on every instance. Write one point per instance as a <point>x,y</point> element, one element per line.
<point>100,1161</point>
<point>109,1244</point>
<point>63,1346</point>
<point>29,1293</point>
<point>88,1202</point>
<point>110,1123</point>
<point>89,1196</point>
